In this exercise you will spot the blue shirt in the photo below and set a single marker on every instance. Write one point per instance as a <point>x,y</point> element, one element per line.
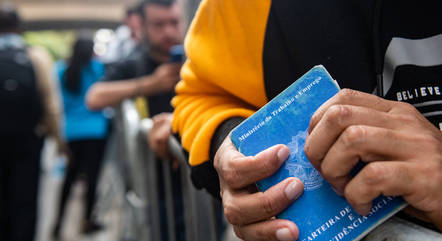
<point>80,123</point>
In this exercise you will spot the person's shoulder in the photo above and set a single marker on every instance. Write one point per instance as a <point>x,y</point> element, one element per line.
<point>40,57</point>
<point>134,57</point>
<point>41,52</point>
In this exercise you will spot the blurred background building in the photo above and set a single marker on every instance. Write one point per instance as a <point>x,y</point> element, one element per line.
<point>53,23</point>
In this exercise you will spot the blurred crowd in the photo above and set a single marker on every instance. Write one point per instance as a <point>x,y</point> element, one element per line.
<point>65,101</point>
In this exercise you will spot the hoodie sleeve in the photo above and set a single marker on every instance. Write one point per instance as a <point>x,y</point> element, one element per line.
<point>223,76</point>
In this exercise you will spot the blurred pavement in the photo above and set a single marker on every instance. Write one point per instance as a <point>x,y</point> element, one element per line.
<point>108,207</point>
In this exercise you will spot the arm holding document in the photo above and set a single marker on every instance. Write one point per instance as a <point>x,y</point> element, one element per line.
<point>402,149</point>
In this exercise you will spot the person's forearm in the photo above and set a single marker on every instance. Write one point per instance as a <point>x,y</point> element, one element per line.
<point>104,94</point>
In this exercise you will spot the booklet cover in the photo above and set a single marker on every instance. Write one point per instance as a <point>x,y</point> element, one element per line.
<point>320,213</point>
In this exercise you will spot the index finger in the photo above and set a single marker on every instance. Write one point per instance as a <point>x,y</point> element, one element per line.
<point>239,171</point>
<point>350,97</point>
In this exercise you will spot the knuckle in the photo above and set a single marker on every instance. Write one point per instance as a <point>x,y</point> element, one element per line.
<point>356,195</point>
<point>406,118</point>
<point>219,157</point>
<point>314,119</point>
<point>374,173</point>
<point>437,169</point>
<point>232,212</point>
<point>217,164</point>
<point>268,166</point>
<point>437,175</point>
<point>433,143</point>
<point>238,232</point>
<point>231,174</point>
<point>433,166</point>
<point>328,173</point>
<point>346,95</point>
<point>353,135</point>
<point>231,177</point>
<point>337,115</point>
<point>349,195</point>
<point>406,107</point>
<point>268,205</point>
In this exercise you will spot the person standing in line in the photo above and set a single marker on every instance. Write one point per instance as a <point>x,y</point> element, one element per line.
<point>29,113</point>
<point>85,131</point>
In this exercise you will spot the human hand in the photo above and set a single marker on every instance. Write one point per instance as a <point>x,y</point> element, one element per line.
<point>250,211</point>
<point>403,151</point>
<point>166,76</point>
<point>159,135</point>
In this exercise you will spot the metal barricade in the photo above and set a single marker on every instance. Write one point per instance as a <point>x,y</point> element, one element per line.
<point>133,167</point>
<point>140,168</point>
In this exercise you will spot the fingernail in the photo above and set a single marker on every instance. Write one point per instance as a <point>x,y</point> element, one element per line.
<point>283,154</point>
<point>284,234</point>
<point>293,190</point>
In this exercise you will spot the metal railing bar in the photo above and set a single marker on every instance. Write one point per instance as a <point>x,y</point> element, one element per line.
<point>169,198</point>
<point>195,202</point>
<point>152,183</point>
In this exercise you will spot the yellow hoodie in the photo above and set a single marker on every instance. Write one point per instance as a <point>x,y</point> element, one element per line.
<point>227,47</point>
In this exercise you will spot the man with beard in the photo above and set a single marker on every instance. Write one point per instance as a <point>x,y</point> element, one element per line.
<point>147,72</point>
<point>150,72</point>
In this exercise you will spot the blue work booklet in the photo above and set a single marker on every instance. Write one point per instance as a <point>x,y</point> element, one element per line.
<point>320,213</point>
